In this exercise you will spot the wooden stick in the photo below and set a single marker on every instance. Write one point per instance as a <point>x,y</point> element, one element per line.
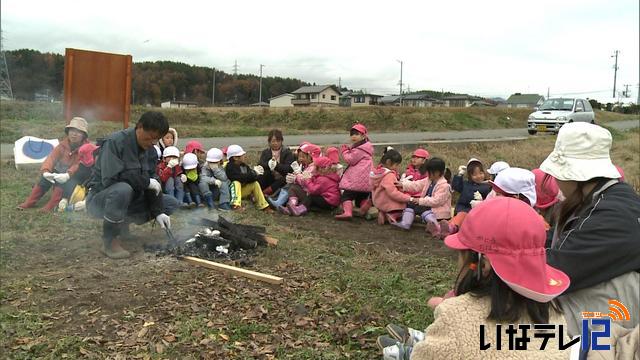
<point>233,270</point>
<point>271,241</point>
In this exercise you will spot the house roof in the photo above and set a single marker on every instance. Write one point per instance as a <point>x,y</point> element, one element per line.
<point>524,99</point>
<point>315,89</point>
<point>390,99</point>
<point>281,95</point>
<point>418,97</point>
<point>260,104</point>
<point>460,97</point>
<point>365,94</point>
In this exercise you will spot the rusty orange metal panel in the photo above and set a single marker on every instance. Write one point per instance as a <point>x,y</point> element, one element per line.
<point>97,86</point>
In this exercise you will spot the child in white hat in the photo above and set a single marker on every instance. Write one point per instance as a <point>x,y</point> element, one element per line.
<point>238,171</point>
<point>213,178</point>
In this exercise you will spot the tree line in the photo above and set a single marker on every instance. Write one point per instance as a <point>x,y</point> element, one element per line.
<point>36,75</point>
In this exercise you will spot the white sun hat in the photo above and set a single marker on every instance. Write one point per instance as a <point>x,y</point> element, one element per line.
<point>171,151</point>
<point>514,181</point>
<point>214,155</point>
<point>189,161</point>
<point>235,150</point>
<point>581,153</point>
<point>498,166</point>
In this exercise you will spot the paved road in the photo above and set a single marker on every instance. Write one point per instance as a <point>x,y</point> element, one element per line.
<point>253,142</point>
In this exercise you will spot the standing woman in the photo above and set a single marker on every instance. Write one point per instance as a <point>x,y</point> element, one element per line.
<point>276,161</point>
<point>59,166</point>
<point>597,236</point>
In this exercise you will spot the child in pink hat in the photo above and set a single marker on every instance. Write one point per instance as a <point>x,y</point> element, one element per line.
<point>412,173</point>
<point>355,184</point>
<point>320,191</point>
<point>503,279</point>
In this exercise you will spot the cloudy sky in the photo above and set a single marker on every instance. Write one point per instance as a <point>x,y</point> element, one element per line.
<point>487,48</point>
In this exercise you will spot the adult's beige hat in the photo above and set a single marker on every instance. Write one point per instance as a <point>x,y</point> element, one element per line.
<point>79,124</point>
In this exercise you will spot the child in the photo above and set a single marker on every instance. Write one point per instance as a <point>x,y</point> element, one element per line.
<point>474,188</point>
<point>389,201</point>
<point>493,288</point>
<point>238,171</point>
<point>496,168</point>
<point>214,178</point>
<point>355,179</point>
<point>192,193</point>
<point>515,182</point>
<point>195,147</point>
<point>434,202</point>
<point>419,157</point>
<point>334,155</point>
<point>171,174</point>
<point>320,191</point>
<point>169,139</point>
<point>547,196</point>
<point>303,170</point>
<point>79,179</point>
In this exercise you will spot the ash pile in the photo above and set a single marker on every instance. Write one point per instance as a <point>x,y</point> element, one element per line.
<point>217,239</point>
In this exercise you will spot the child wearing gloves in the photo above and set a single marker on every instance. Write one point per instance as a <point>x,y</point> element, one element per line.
<point>191,178</point>
<point>303,170</point>
<point>213,179</point>
<point>246,178</point>
<point>413,173</point>
<point>320,191</point>
<point>172,177</point>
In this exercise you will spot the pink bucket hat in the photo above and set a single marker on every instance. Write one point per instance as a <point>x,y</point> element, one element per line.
<point>85,154</point>
<point>546,189</point>
<point>511,235</point>
<point>421,153</point>
<point>332,154</point>
<point>360,128</point>
<point>516,181</point>
<point>322,161</point>
<point>310,149</point>
<point>193,145</point>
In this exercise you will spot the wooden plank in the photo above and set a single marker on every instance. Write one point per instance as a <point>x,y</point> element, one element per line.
<point>233,270</point>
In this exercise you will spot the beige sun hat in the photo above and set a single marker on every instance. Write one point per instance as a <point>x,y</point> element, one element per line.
<point>79,124</point>
<point>581,153</point>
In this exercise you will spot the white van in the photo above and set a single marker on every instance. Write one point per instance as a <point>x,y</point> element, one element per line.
<point>554,113</point>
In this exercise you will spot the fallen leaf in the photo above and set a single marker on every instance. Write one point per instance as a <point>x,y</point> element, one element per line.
<point>224,337</point>
<point>170,338</point>
<point>159,348</point>
<point>147,324</point>
<point>143,332</point>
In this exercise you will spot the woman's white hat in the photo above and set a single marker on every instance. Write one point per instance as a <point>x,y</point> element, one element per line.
<point>581,153</point>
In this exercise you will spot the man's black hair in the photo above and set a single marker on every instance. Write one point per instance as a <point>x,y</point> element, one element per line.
<point>154,121</point>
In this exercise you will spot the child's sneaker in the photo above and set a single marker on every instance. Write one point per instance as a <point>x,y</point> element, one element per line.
<point>397,352</point>
<point>433,228</point>
<point>385,341</point>
<point>224,207</point>
<point>405,335</point>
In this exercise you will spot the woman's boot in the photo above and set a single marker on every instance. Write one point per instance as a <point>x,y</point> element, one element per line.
<point>36,194</point>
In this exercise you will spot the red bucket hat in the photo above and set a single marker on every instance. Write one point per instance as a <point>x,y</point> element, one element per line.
<point>421,153</point>
<point>193,145</point>
<point>360,128</point>
<point>546,189</point>
<point>511,235</point>
<point>85,153</point>
<point>332,154</point>
<point>310,149</point>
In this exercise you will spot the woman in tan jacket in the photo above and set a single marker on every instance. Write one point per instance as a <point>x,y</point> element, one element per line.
<point>503,280</point>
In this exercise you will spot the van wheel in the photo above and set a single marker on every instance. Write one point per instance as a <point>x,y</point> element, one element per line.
<point>532,132</point>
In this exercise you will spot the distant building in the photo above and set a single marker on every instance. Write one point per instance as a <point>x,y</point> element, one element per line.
<point>260,104</point>
<point>175,104</point>
<point>390,100</point>
<point>345,99</point>
<point>459,100</point>
<point>321,95</point>
<point>364,99</point>
<point>420,100</point>
<point>484,103</point>
<point>519,100</point>
<point>283,100</point>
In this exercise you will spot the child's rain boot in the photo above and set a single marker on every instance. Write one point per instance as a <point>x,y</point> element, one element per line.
<point>283,195</point>
<point>297,210</point>
<point>347,211</point>
<point>408,215</point>
<point>365,205</point>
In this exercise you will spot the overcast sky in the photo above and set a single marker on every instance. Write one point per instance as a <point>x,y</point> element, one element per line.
<point>487,48</point>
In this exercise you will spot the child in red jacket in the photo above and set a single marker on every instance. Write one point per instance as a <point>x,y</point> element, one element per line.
<point>320,191</point>
<point>170,172</point>
<point>387,198</point>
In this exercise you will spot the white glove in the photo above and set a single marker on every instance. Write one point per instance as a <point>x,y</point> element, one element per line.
<point>172,163</point>
<point>477,196</point>
<point>272,164</point>
<point>475,203</point>
<point>306,175</point>
<point>79,206</point>
<point>405,177</point>
<point>62,205</point>
<point>183,178</point>
<point>155,186</point>
<point>462,170</point>
<point>290,178</point>
<point>49,176</point>
<point>259,170</point>
<point>218,183</point>
<point>164,221</point>
<point>297,168</point>
<point>61,178</point>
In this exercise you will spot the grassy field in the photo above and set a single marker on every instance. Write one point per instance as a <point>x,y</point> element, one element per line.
<point>343,281</point>
<point>43,120</point>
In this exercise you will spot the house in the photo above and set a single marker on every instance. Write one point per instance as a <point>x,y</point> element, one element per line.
<point>320,95</point>
<point>345,99</point>
<point>420,100</point>
<point>173,104</point>
<point>283,100</point>
<point>364,99</point>
<point>260,104</point>
<point>519,100</point>
<point>391,100</point>
<point>459,100</point>
<point>484,103</point>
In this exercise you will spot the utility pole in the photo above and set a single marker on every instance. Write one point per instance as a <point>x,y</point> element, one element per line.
<point>5,81</point>
<point>261,66</point>
<point>340,83</point>
<point>615,72</point>
<point>401,63</point>
<point>235,68</point>
<point>626,91</point>
<point>213,89</point>
<point>547,92</point>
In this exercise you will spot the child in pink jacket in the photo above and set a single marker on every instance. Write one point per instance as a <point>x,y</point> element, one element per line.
<point>413,173</point>
<point>434,203</point>
<point>387,198</point>
<point>355,179</point>
<point>320,191</point>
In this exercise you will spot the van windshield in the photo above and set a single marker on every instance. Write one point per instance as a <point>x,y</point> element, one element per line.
<point>557,104</point>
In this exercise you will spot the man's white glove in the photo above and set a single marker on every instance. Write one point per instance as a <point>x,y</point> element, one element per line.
<point>79,206</point>
<point>218,183</point>
<point>272,164</point>
<point>462,170</point>
<point>61,178</point>
<point>172,163</point>
<point>164,221</point>
<point>49,176</point>
<point>155,186</point>
<point>290,178</point>
<point>183,178</point>
<point>297,168</point>
<point>259,170</point>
